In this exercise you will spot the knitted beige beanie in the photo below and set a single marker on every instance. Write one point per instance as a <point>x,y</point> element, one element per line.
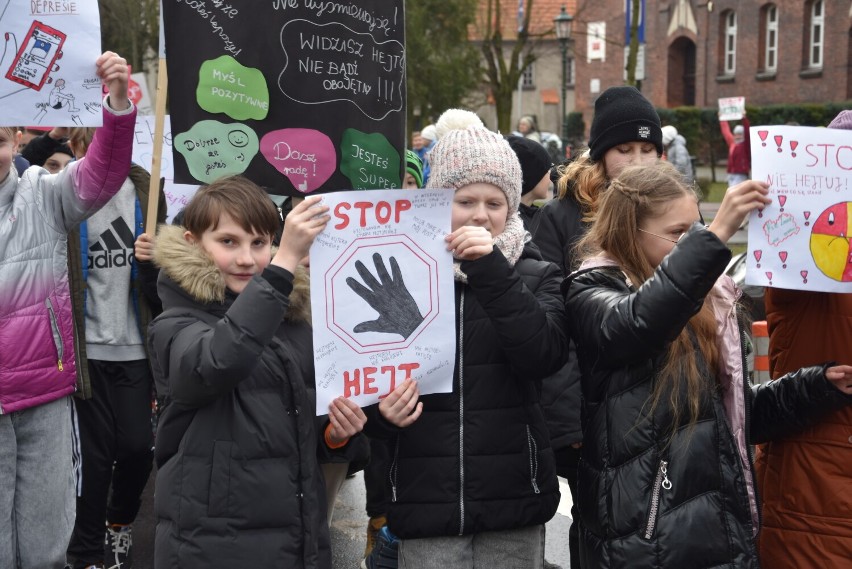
<point>469,153</point>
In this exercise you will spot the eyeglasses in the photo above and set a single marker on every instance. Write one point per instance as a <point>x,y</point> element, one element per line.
<point>669,239</point>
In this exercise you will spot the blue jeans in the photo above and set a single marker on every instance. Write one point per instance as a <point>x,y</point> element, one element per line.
<point>507,549</point>
<point>36,486</point>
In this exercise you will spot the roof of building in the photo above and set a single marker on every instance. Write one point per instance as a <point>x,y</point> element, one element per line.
<point>541,21</point>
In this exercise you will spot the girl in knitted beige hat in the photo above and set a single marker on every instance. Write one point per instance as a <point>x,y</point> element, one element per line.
<point>472,473</point>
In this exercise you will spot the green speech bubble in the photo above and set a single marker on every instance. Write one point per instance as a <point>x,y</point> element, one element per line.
<point>213,149</point>
<point>227,86</point>
<point>369,160</point>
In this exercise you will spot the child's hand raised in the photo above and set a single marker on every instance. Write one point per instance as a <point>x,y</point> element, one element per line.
<point>739,201</point>
<point>470,242</point>
<point>303,224</point>
<point>114,72</point>
<point>841,377</point>
<point>400,407</point>
<point>347,420</point>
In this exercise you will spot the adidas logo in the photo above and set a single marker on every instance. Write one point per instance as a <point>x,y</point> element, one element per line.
<point>111,250</point>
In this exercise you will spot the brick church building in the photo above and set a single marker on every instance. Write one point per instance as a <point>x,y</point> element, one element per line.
<point>697,51</point>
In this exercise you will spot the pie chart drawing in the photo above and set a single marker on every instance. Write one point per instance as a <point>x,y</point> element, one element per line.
<point>830,238</point>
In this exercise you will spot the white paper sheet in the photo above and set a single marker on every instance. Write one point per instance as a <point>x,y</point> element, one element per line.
<point>371,328</point>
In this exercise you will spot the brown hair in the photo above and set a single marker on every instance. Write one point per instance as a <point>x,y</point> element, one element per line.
<point>586,179</point>
<point>639,193</point>
<point>238,197</point>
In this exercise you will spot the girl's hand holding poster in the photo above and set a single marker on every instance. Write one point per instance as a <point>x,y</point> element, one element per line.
<point>802,240</point>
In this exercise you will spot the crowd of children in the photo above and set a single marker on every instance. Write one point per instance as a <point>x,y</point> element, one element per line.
<point>606,347</point>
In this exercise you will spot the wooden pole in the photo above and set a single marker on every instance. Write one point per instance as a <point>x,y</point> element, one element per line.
<point>157,159</point>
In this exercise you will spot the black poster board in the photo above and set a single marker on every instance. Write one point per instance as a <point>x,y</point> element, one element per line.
<point>301,96</point>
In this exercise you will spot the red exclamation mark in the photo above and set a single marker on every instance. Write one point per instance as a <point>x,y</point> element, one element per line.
<point>763,134</point>
<point>778,140</point>
<point>807,217</point>
<point>782,200</point>
<point>793,145</point>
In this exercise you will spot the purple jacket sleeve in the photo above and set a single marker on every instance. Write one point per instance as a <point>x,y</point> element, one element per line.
<point>86,185</point>
<point>107,162</point>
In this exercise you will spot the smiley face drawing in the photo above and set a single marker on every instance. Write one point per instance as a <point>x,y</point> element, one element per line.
<point>830,242</point>
<point>238,138</point>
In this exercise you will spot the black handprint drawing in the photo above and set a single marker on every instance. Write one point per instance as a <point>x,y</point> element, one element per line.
<point>398,313</point>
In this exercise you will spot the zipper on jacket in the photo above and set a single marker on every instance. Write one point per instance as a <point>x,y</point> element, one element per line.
<point>661,482</point>
<point>461,414</point>
<point>57,337</point>
<point>533,460</point>
<point>747,398</point>
<point>393,470</point>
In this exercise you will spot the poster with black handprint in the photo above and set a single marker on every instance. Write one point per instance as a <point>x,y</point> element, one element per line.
<point>382,295</point>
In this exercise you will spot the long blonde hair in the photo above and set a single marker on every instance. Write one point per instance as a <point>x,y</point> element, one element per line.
<point>640,193</point>
<point>585,179</point>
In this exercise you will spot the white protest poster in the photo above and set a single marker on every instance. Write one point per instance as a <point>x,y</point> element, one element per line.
<point>801,240</point>
<point>177,195</point>
<point>47,64</point>
<point>731,108</point>
<point>596,41</point>
<point>382,295</point>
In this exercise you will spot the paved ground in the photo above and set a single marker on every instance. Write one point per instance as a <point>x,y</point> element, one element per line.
<point>348,528</point>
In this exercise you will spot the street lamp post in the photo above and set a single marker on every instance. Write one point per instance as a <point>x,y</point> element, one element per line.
<point>562,23</point>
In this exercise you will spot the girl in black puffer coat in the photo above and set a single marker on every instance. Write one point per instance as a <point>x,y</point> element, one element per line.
<point>472,473</point>
<point>666,478</point>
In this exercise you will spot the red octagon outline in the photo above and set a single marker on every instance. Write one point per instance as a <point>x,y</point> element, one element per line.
<point>342,260</point>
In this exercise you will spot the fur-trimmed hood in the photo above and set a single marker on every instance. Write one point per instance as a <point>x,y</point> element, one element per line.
<point>196,274</point>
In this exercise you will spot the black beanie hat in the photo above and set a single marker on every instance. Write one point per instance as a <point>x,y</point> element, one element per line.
<point>63,148</point>
<point>623,114</point>
<point>534,159</point>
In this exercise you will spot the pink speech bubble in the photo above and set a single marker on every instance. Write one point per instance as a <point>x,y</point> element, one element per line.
<point>305,156</point>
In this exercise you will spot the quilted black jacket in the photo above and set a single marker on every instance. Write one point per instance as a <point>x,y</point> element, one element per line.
<point>479,459</point>
<point>645,503</point>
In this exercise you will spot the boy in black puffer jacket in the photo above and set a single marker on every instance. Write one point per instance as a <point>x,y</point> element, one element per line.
<point>238,483</point>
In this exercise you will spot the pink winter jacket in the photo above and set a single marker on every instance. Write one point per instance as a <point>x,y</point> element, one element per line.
<point>37,363</point>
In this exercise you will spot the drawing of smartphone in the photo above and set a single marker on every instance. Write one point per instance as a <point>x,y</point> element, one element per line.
<point>37,55</point>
